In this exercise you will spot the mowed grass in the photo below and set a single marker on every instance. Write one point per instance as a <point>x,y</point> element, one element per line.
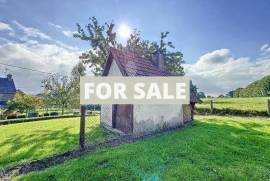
<point>242,104</point>
<point>24,142</point>
<point>214,148</point>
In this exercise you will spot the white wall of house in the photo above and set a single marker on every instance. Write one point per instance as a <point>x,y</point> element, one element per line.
<point>106,110</point>
<point>149,118</point>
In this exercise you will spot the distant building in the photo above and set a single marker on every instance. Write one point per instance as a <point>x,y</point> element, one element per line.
<point>7,89</point>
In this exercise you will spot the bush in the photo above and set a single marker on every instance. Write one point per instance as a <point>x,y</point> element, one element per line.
<point>21,116</point>
<point>32,114</point>
<point>12,116</point>
<point>54,113</point>
<point>46,114</point>
<point>76,113</point>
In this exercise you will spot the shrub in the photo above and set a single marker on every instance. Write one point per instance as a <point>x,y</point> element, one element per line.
<point>46,114</point>
<point>54,113</point>
<point>21,116</point>
<point>32,114</point>
<point>12,116</point>
<point>75,113</point>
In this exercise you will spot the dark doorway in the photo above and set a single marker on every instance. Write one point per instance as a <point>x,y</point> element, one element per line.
<point>122,117</point>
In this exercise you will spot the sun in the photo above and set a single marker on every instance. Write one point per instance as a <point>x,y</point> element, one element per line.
<point>124,31</point>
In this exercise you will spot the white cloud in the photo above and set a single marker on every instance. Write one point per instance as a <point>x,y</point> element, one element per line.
<point>27,50</point>
<point>55,25</point>
<point>264,47</point>
<point>32,32</point>
<point>43,57</point>
<point>67,33</point>
<point>29,33</point>
<point>218,72</point>
<point>5,27</point>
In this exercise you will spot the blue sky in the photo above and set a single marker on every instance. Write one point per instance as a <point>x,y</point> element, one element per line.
<point>207,32</point>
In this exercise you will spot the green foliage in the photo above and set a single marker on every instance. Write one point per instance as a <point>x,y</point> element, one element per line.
<point>173,60</point>
<point>214,148</point>
<point>201,95</point>
<point>102,37</point>
<point>77,71</point>
<point>59,90</point>
<point>23,103</point>
<point>259,88</point>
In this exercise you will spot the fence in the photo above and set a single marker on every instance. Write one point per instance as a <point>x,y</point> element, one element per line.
<point>222,107</point>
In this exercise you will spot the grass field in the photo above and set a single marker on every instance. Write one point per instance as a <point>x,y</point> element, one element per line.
<point>242,104</point>
<point>35,140</point>
<point>214,148</point>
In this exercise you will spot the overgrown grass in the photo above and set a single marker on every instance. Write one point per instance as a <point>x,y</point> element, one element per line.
<point>214,148</point>
<point>35,140</point>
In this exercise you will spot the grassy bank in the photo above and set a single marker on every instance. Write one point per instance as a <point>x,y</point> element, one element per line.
<point>23,142</point>
<point>214,148</point>
<point>256,106</point>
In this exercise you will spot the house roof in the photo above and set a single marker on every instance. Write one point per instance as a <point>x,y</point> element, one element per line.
<point>7,86</point>
<point>135,64</point>
<point>132,64</point>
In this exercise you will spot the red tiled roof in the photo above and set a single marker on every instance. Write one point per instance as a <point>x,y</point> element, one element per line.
<point>132,64</point>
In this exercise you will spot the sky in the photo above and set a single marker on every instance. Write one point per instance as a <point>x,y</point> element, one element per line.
<point>226,43</point>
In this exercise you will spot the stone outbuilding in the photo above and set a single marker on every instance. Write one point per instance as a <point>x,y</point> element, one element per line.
<point>141,119</point>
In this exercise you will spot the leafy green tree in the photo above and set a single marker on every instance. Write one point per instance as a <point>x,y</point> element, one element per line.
<point>77,71</point>
<point>229,94</point>
<point>59,89</point>
<point>201,95</point>
<point>173,59</point>
<point>23,103</point>
<point>102,37</point>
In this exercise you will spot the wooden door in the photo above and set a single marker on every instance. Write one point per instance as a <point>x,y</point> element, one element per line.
<point>123,117</point>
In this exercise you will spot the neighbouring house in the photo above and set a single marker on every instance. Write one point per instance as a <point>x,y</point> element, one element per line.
<point>141,119</point>
<point>7,89</point>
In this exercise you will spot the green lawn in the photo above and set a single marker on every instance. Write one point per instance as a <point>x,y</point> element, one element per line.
<point>35,140</point>
<point>214,148</point>
<point>244,104</point>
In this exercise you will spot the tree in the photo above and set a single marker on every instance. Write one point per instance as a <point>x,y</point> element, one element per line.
<point>201,95</point>
<point>102,37</point>
<point>173,60</point>
<point>59,90</point>
<point>229,94</point>
<point>23,103</point>
<point>77,71</point>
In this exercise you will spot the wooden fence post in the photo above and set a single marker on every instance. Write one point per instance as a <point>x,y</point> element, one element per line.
<point>268,106</point>
<point>211,106</point>
<point>82,126</point>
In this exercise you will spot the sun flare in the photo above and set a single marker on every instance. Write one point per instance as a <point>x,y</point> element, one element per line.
<point>124,31</point>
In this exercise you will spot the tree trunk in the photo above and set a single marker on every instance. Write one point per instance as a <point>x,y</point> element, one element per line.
<point>63,108</point>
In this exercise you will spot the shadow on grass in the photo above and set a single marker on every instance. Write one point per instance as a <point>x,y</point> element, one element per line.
<point>211,150</point>
<point>44,143</point>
